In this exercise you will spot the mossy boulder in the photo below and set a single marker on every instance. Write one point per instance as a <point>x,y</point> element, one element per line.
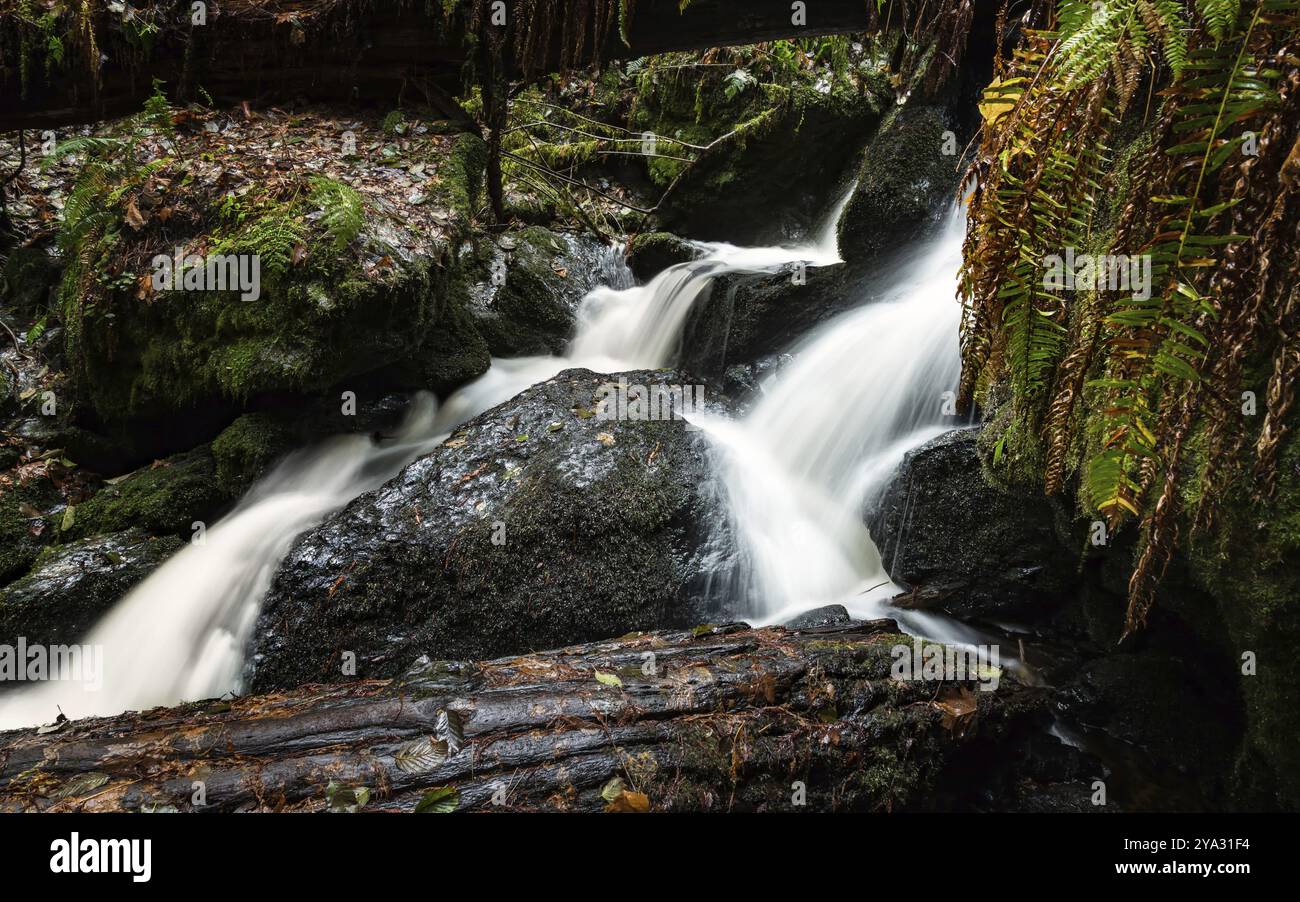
<point>905,181</point>
<point>28,276</point>
<point>652,253</point>
<point>73,585</point>
<point>30,511</point>
<point>164,498</point>
<point>788,146</point>
<point>538,524</point>
<point>346,291</point>
<point>523,288</point>
<point>249,446</point>
<point>1250,565</point>
<point>303,336</point>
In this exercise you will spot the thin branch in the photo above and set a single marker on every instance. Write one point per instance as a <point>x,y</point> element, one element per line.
<point>17,347</point>
<point>638,136</point>
<point>572,181</point>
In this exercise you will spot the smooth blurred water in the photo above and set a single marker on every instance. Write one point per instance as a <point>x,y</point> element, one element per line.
<point>183,632</point>
<point>827,432</point>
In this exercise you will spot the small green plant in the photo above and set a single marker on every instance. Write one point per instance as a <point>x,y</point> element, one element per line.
<point>158,111</point>
<point>737,83</point>
<point>342,209</point>
<point>395,123</point>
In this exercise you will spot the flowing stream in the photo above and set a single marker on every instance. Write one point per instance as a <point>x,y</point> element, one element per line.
<point>826,434</point>
<point>180,635</point>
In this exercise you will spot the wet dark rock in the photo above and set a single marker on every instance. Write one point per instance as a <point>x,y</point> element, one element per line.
<point>741,317</point>
<point>165,498</point>
<point>523,290</point>
<point>964,546</point>
<point>535,525</point>
<point>72,585</point>
<point>905,182</point>
<point>652,253</point>
<point>828,615</point>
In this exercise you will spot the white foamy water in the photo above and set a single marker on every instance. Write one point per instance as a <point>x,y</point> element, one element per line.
<point>182,633</point>
<point>828,431</point>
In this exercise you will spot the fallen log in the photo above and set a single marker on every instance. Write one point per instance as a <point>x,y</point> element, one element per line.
<point>718,718</point>
<point>274,51</point>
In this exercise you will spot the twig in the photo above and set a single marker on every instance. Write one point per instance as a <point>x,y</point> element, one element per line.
<point>636,137</point>
<point>572,201</point>
<point>17,347</point>
<point>572,181</point>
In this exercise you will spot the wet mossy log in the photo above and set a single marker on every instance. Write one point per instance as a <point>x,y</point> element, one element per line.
<point>385,51</point>
<point>716,718</point>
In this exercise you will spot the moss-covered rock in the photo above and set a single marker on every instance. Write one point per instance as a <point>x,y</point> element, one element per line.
<point>905,179</point>
<point>28,277</point>
<point>29,513</point>
<point>1250,565</point>
<point>788,141</point>
<point>537,524</point>
<point>523,289</point>
<point>791,149</point>
<point>165,498</point>
<point>346,291</point>
<point>72,586</point>
<point>301,337</point>
<point>249,446</point>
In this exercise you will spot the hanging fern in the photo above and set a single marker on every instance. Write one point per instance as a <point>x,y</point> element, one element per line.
<point>1209,216</point>
<point>1117,35</point>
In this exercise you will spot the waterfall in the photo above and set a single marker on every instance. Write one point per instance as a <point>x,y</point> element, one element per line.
<point>826,432</point>
<point>181,634</point>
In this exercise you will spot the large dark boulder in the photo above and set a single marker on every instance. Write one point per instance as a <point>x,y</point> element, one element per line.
<point>652,253</point>
<point>963,545</point>
<point>798,141</point>
<point>741,317</point>
<point>73,585</point>
<point>596,526</point>
<point>523,290</point>
<point>907,178</point>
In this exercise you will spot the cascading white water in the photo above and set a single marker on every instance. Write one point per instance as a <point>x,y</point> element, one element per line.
<point>181,634</point>
<point>826,432</point>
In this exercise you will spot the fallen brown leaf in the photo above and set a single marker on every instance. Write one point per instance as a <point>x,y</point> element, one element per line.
<point>629,803</point>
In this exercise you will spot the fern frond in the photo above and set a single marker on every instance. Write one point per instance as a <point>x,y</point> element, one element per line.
<point>90,145</point>
<point>1220,16</point>
<point>343,212</point>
